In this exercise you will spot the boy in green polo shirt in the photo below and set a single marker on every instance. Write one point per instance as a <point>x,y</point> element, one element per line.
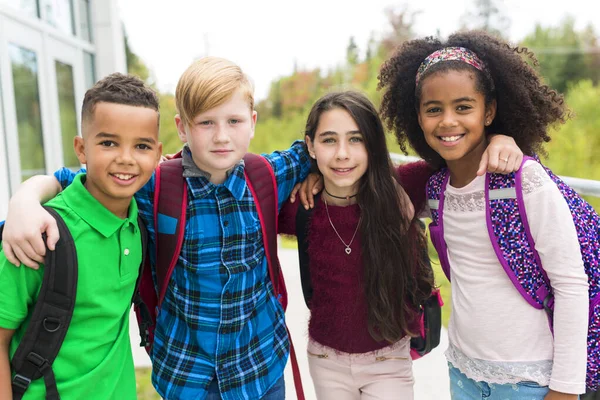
<point>120,146</point>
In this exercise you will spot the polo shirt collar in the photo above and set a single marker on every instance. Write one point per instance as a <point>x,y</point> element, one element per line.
<point>199,180</point>
<point>88,208</point>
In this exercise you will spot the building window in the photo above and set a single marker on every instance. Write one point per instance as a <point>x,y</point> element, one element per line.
<point>89,66</point>
<point>85,21</point>
<point>30,7</point>
<point>27,103</point>
<point>59,13</point>
<point>68,113</point>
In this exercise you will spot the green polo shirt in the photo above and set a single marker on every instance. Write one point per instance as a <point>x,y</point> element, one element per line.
<point>95,360</point>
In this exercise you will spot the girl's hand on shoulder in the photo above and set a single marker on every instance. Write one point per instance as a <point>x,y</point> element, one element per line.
<point>552,395</point>
<point>502,156</point>
<point>307,190</point>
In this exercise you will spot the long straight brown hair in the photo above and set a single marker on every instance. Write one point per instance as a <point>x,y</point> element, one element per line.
<point>396,280</point>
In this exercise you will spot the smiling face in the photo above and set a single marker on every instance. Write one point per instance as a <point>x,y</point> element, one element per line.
<point>219,137</point>
<point>453,116</point>
<point>120,148</point>
<point>340,152</point>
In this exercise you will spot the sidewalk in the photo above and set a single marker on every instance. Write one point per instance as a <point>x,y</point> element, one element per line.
<point>431,372</point>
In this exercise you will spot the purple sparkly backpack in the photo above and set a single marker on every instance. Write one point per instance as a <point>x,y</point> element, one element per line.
<point>512,241</point>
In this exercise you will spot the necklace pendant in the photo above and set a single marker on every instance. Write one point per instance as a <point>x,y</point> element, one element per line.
<point>348,250</point>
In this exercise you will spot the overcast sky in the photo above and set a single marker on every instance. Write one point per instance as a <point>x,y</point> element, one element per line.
<point>266,37</point>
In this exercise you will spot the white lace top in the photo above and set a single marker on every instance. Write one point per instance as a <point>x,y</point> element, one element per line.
<point>495,335</point>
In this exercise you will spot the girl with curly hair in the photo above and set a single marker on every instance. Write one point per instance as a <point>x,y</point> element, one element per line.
<point>444,98</point>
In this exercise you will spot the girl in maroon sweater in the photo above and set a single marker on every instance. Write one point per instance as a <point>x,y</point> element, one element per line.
<point>366,275</point>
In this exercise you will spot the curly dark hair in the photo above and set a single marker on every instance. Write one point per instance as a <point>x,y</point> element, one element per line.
<point>119,89</point>
<point>525,106</point>
<point>397,279</point>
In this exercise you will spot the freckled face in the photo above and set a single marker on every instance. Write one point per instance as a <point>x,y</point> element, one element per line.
<point>219,138</point>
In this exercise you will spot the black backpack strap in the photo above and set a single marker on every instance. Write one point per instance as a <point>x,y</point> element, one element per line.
<point>146,318</point>
<point>50,318</point>
<point>431,312</point>
<point>302,225</point>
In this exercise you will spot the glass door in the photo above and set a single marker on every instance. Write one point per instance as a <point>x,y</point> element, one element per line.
<point>23,88</point>
<point>42,89</point>
<point>66,83</point>
<point>4,181</point>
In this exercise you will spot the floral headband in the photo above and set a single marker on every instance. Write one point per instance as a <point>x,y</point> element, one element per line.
<point>450,54</point>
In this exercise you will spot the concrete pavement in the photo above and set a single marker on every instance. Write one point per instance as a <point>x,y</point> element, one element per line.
<point>431,372</point>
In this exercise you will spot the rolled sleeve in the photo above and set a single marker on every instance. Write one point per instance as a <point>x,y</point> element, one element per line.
<point>290,166</point>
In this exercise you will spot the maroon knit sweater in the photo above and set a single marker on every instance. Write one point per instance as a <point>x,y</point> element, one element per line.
<point>338,307</point>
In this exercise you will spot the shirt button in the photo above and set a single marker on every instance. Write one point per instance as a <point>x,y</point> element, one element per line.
<point>126,252</point>
<point>225,223</point>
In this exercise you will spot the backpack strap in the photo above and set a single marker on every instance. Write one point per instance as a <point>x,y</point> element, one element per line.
<point>303,217</point>
<point>145,316</point>
<point>515,247</point>
<point>260,179</point>
<point>261,182</point>
<point>436,188</point>
<point>170,205</point>
<point>50,318</point>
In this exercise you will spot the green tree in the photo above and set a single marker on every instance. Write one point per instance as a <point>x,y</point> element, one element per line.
<point>135,65</point>
<point>168,130</point>
<point>565,56</point>
<point>574,145</point>
<point>487,16</point>
<point>352,52</point>
<point>401,22</point>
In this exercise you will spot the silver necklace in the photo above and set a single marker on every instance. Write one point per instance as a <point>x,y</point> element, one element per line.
<point>348,250</point>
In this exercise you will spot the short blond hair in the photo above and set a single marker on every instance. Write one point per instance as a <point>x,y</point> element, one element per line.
<point>210,82</point>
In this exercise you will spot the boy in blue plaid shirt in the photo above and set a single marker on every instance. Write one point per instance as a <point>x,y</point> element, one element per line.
<point>220,331</point>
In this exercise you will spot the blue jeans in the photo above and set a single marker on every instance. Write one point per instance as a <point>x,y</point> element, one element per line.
<point>277,391</point>
<point>463,388</point>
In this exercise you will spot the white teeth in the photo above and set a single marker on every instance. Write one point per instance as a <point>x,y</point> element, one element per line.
<point>343,169</point>
<point>123,176</point>
<point>450,138</point>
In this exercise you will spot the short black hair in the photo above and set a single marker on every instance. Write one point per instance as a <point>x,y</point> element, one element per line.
<point>119,89</point>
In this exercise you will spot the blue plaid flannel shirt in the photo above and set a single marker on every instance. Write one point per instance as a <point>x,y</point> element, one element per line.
<point>220,317</point>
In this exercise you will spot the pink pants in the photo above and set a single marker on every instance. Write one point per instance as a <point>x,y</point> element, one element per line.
<point>379,375</point>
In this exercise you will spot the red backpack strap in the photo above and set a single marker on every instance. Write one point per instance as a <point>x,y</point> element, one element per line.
<point>263,186</point>
<point>170,205</point>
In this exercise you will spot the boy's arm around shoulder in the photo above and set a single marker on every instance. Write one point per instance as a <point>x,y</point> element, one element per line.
<point>26,220</point>
<point>290,167</point>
